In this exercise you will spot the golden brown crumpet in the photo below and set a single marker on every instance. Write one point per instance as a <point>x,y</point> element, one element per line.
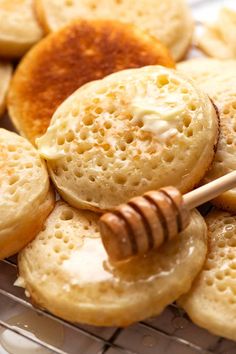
<point>79,53</point>
<point>131,132</point>
<point>217,78</point>
<point>66,271</point>
<point>168,20</point>
<point>19,28</point>
<point>211,302</point>
<point>25,195</point>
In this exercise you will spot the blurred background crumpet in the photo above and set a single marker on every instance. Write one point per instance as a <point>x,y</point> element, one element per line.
<point>170,21</point>
<point>133,131</point>
<point>25,195</point>
<point>19,28</point>
<point>81,52</point>
<point>5,77</point>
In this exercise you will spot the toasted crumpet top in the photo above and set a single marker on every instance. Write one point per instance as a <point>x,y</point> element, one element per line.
<point>211,303</point>
<point>5,76</point>
<point>169,20</point>
<point>218,79</point>
<point>62,62</point>
<point>66,271</point>
<point>19,28</point>
<point>133,131</point>
<point>23,180</point>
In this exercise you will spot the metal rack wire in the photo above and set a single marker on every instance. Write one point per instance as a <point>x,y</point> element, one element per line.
<point>8,272</point>
<point>170,333</point>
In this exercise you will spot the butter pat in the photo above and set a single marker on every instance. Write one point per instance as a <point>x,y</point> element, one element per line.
<point>86,265</point>
<point>47,146</point>
<point>159,117</point>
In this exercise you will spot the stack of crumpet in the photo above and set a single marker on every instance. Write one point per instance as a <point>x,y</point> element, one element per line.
<point>112,139</point>
<point>102,116</point>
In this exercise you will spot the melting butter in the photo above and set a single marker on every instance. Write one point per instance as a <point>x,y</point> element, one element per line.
<point>47,146</point>
<point>159,116</point>
<point>87,264</point>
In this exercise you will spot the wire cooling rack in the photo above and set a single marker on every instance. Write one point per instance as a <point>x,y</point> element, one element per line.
<point>170,333</point>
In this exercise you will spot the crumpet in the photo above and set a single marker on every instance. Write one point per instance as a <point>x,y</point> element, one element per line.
<point>211,302</point>
<point>25,195</point>
<point>218,39</point>
<point>66,271</point>
<point>64,61</point>
<point>211,43</point>
<point>19,28</point>
<point>170,21</point>
<point>218,79</point>
<point>5,77</point>
<point>134,131</point>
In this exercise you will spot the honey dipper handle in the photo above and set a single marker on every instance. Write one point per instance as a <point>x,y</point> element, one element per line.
<point>210,191</point>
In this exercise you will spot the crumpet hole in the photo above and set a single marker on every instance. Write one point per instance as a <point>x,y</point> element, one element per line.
<point>69,3</point>
<point>13,180</point>
<point>192,107</point>
<point>187,121</point>
<point>67,215</point>
<point>162,81</point>
<point>88,120</point>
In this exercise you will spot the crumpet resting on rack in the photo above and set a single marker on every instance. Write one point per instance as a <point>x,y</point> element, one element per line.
<point>134,131</point>
<point>25,195</point>
<point>66,271</point>
<point>211,302</point>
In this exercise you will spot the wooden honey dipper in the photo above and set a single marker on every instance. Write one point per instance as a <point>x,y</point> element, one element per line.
<point>145,222</point>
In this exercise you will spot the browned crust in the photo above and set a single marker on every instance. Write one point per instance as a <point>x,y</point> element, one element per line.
<point>65,60</point>
<point>225,202</point>
<point>219,125</point>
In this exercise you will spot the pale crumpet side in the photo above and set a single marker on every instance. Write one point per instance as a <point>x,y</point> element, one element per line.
<point>217,78</point>
<point>25,195</point>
